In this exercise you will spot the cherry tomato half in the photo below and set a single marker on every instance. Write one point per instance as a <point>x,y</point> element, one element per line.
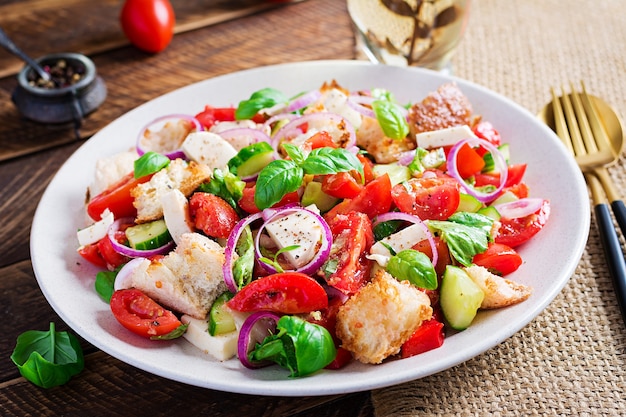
<point>374,199</point>
<point>469,161</point>
<point>141,314</point>
<point>116,198</point>
<point>514,232</point>
<point>212,214</point>
<point>428,198</point>
<point>247,204</point>
<point>148,24</point>
<point>341,185</point>
<point>284,292</point>
<point>499,259</point>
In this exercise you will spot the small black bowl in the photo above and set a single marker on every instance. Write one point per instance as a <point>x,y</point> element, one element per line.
<point>62,103</point>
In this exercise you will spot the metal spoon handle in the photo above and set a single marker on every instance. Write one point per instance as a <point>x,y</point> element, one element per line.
<point>8,44</point>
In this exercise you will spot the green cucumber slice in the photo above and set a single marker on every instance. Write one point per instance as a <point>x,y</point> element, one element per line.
<point>459,297</point>
<point>251,159</point>
<point>490,212</point>
<point>221,321</point>
<point>397,173</point>
<point>313,194</point>
<point>148,236</point>
<point>505,197</point>
<point>468,204</point>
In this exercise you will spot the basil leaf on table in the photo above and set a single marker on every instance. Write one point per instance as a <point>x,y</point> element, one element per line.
<point>299,346</point>
<point>262,99</point>
<point>149,163</point>
<point>48,358</point>
<point>391,119</point>
<point>413,266</point>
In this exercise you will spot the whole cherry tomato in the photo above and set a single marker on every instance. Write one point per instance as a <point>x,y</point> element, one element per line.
<point>148,24</point>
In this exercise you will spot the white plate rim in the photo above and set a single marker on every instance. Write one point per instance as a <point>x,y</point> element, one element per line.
<point>58,266</point>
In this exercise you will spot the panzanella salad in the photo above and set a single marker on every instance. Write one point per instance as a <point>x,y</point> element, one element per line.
<point>314,230</point>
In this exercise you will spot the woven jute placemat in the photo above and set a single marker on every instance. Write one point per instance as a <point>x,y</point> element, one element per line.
<point>570,360</point>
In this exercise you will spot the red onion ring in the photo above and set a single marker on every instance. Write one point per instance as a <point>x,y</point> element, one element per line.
<point>229,252</point>
<point>176,153</point>
<point>397,215</point>
<point>235,135</point>
<point>130,252</point>
<point>519,208</point>
<point>277,118</point>
<point>498,159</point>
<point>322,253</point>
<point>356,102</point>
<point>406,157</point>
<point>246,342</point>
<point>122,279</point>
<point>319,121</point>
<point>303,100</point>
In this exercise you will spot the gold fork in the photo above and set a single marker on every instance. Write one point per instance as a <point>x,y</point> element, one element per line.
<point>580,129</point>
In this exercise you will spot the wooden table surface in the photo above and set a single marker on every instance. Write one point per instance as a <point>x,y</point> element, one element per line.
<point>209,42</point>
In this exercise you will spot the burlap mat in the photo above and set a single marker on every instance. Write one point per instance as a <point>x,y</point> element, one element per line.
<point>571,360</point>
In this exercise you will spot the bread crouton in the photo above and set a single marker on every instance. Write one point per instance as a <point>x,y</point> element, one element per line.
<point>385,150</point>
<point>375,322</point>
<point>188,279</point>
<point>445,107</point>
<point>110,170</point>
<point>180,175</point>
<point>168,138</point>
<point>499,292</point>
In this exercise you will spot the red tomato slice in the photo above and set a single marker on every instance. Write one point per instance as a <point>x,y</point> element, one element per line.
<point>469,161</point>
<point>498,259</point>
<point>486,131</point>
<point>515,174</point>
<point>374,199</point>
<point>514,232</point>
<point>320,140</point>
<point>352,240</point>
<point>368,167</point>
<point>116,198</point>
<point>111,257</point>
<point>427,337</point>
<point>443,254</point>
<point>212,214</point>
<point>285,292</point>
<point>428,198</point>
<point>246,202</point>
<point>91,254</point>
<point>342,358</point>
<point>211,114</point>
<point>520,190</point>
<point>141,314</point>
<point>148,24</point>
<point>341,185</point>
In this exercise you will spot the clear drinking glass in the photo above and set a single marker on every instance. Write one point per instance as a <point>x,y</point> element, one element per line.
<point>423,33</point>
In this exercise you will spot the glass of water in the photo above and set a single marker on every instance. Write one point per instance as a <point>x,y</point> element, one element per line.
<point>423,33</point>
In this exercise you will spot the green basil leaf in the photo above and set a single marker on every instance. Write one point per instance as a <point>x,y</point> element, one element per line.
<point>48,358</point>
<point>323,161</point>
<point>174,334</point>
<point>391,120</point>
<point>294,153</point>
<point>464,240</point>
<point>300,346</point>
<point>105,284</point>
<point>149,163</point>
<point>259,100</point>
<point>277,179</point>
<point>384,229</point>
<point>225,185</point>
<point>413,266</point>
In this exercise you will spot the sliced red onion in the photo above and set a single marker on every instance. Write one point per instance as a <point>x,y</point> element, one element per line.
<point>303,101</point>
<point>398,215</point>
<point>254,330</point>
<point>241,137</point>
<point>406,157</point>
<point>175,153</point>
<point>320,122</point>
<point>130,252</point>
<point>322,253</point>
<point>229,252</point>
<point>277,118</point>
<point>358,102</point>
<point>498,159</point>
<point>123,278</point>
<point>519,208</point>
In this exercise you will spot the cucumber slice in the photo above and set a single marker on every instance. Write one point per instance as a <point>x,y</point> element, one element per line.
<point>313,194</point>
<point>147,236</point>
<point>469,204</point>
<point>490,165</point>
<point>221,321</point>
<point>397,173</point>
<point>251,159</point>
<point>460,297</point>
<point>490,212</point>
<point>505,197</point>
